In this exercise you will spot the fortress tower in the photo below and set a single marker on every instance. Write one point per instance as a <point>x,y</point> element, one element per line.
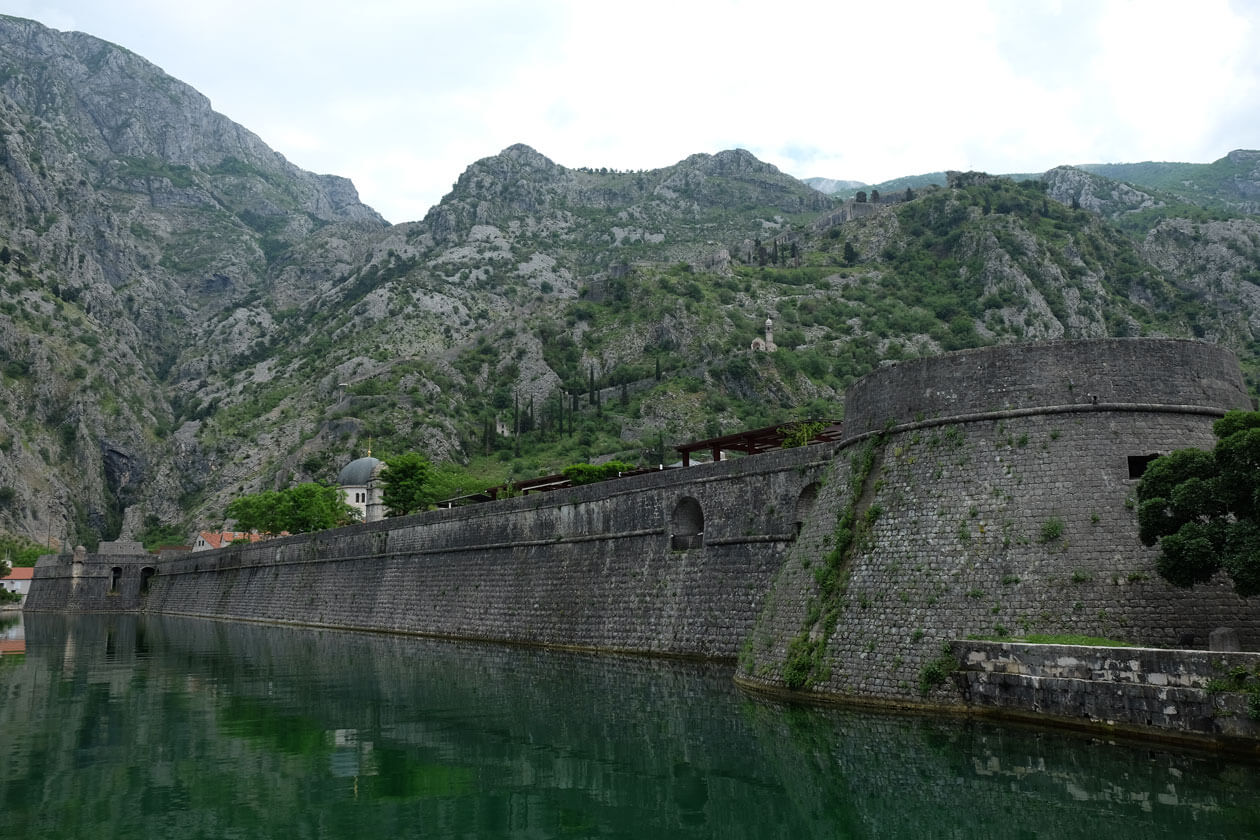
<point>991,493</point>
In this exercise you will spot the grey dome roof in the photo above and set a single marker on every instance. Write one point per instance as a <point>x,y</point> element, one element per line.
<point>358,472</point>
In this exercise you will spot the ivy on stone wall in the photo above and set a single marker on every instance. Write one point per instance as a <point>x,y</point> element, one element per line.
<point>805,664</point>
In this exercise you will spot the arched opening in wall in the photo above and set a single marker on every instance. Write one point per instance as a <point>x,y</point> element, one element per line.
<point>804,505</point>
<point>687,525</point>
<point>146,574</point>
<point>1138,465</point>
<point>115,575</point>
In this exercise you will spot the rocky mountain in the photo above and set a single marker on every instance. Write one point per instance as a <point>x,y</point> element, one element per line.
<point>185,316</point>
<point>136,223</point>
<point>1231,183</point>
<point>831,186</point>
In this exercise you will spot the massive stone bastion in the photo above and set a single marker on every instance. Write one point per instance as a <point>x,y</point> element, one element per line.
<point>992,494</point>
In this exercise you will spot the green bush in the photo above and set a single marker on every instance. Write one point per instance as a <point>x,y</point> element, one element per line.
<point>936,672</point>
<point>1051,530</point>
<point>591,473</point>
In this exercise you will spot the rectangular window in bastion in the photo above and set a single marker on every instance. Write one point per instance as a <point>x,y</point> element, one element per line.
<point>1138,465</point>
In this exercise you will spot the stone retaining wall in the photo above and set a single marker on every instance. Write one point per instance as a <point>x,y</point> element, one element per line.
<point>1167,690</point>
<point>1118,371</point>
<point>1000,500</point>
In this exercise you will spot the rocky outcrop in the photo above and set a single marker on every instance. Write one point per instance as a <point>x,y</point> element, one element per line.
<point>1078,188</point>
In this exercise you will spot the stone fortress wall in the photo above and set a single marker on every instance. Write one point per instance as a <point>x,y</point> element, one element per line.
<point>1000,501</point>
<point>673,562</point>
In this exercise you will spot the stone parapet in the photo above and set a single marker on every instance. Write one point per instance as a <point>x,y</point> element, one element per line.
<point>1119,371</point>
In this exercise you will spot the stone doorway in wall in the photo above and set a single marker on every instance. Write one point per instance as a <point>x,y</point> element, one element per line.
<point>686,525</point>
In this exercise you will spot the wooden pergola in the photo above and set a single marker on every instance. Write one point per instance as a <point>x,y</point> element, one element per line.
<point>752,441</point>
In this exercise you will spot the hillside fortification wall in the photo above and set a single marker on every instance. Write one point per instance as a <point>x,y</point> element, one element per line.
<point>992,495</point>
<point>989,493</point>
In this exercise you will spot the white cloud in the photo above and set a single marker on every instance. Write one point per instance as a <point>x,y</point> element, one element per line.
<point>402,96</point>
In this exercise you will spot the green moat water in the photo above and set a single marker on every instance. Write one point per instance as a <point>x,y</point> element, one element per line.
<point>149,727</point>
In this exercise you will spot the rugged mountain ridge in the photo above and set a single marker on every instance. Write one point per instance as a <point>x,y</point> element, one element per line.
<point>133,218</point>
<point>186,316</point>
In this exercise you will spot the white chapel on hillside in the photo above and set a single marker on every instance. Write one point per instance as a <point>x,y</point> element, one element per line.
<point>766,345</point>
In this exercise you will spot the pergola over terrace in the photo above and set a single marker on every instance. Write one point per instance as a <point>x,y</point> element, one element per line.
<point>748,442</point>
<point>753,441</point>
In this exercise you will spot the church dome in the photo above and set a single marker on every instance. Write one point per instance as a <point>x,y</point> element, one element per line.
<point>358,472</point>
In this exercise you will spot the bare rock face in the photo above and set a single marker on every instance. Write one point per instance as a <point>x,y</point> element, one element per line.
<point>1077,188</point>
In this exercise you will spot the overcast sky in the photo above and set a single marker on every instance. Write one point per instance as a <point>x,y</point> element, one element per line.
<point>401,95</point>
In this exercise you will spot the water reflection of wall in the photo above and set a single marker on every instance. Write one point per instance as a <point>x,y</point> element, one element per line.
<point>181,725</point>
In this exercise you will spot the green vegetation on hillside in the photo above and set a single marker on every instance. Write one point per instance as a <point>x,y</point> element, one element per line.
<point>17,550</point>
<point>179,332</point>
<point>1199,186</point>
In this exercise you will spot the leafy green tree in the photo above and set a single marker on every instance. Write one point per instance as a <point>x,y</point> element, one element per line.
<point>850,254</point>
<point>1203,508</point>
<point>20,551</point>
<point>405,483</point>
<point>298,509</point>
<point>255,511</point>
<point>315,507</point>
